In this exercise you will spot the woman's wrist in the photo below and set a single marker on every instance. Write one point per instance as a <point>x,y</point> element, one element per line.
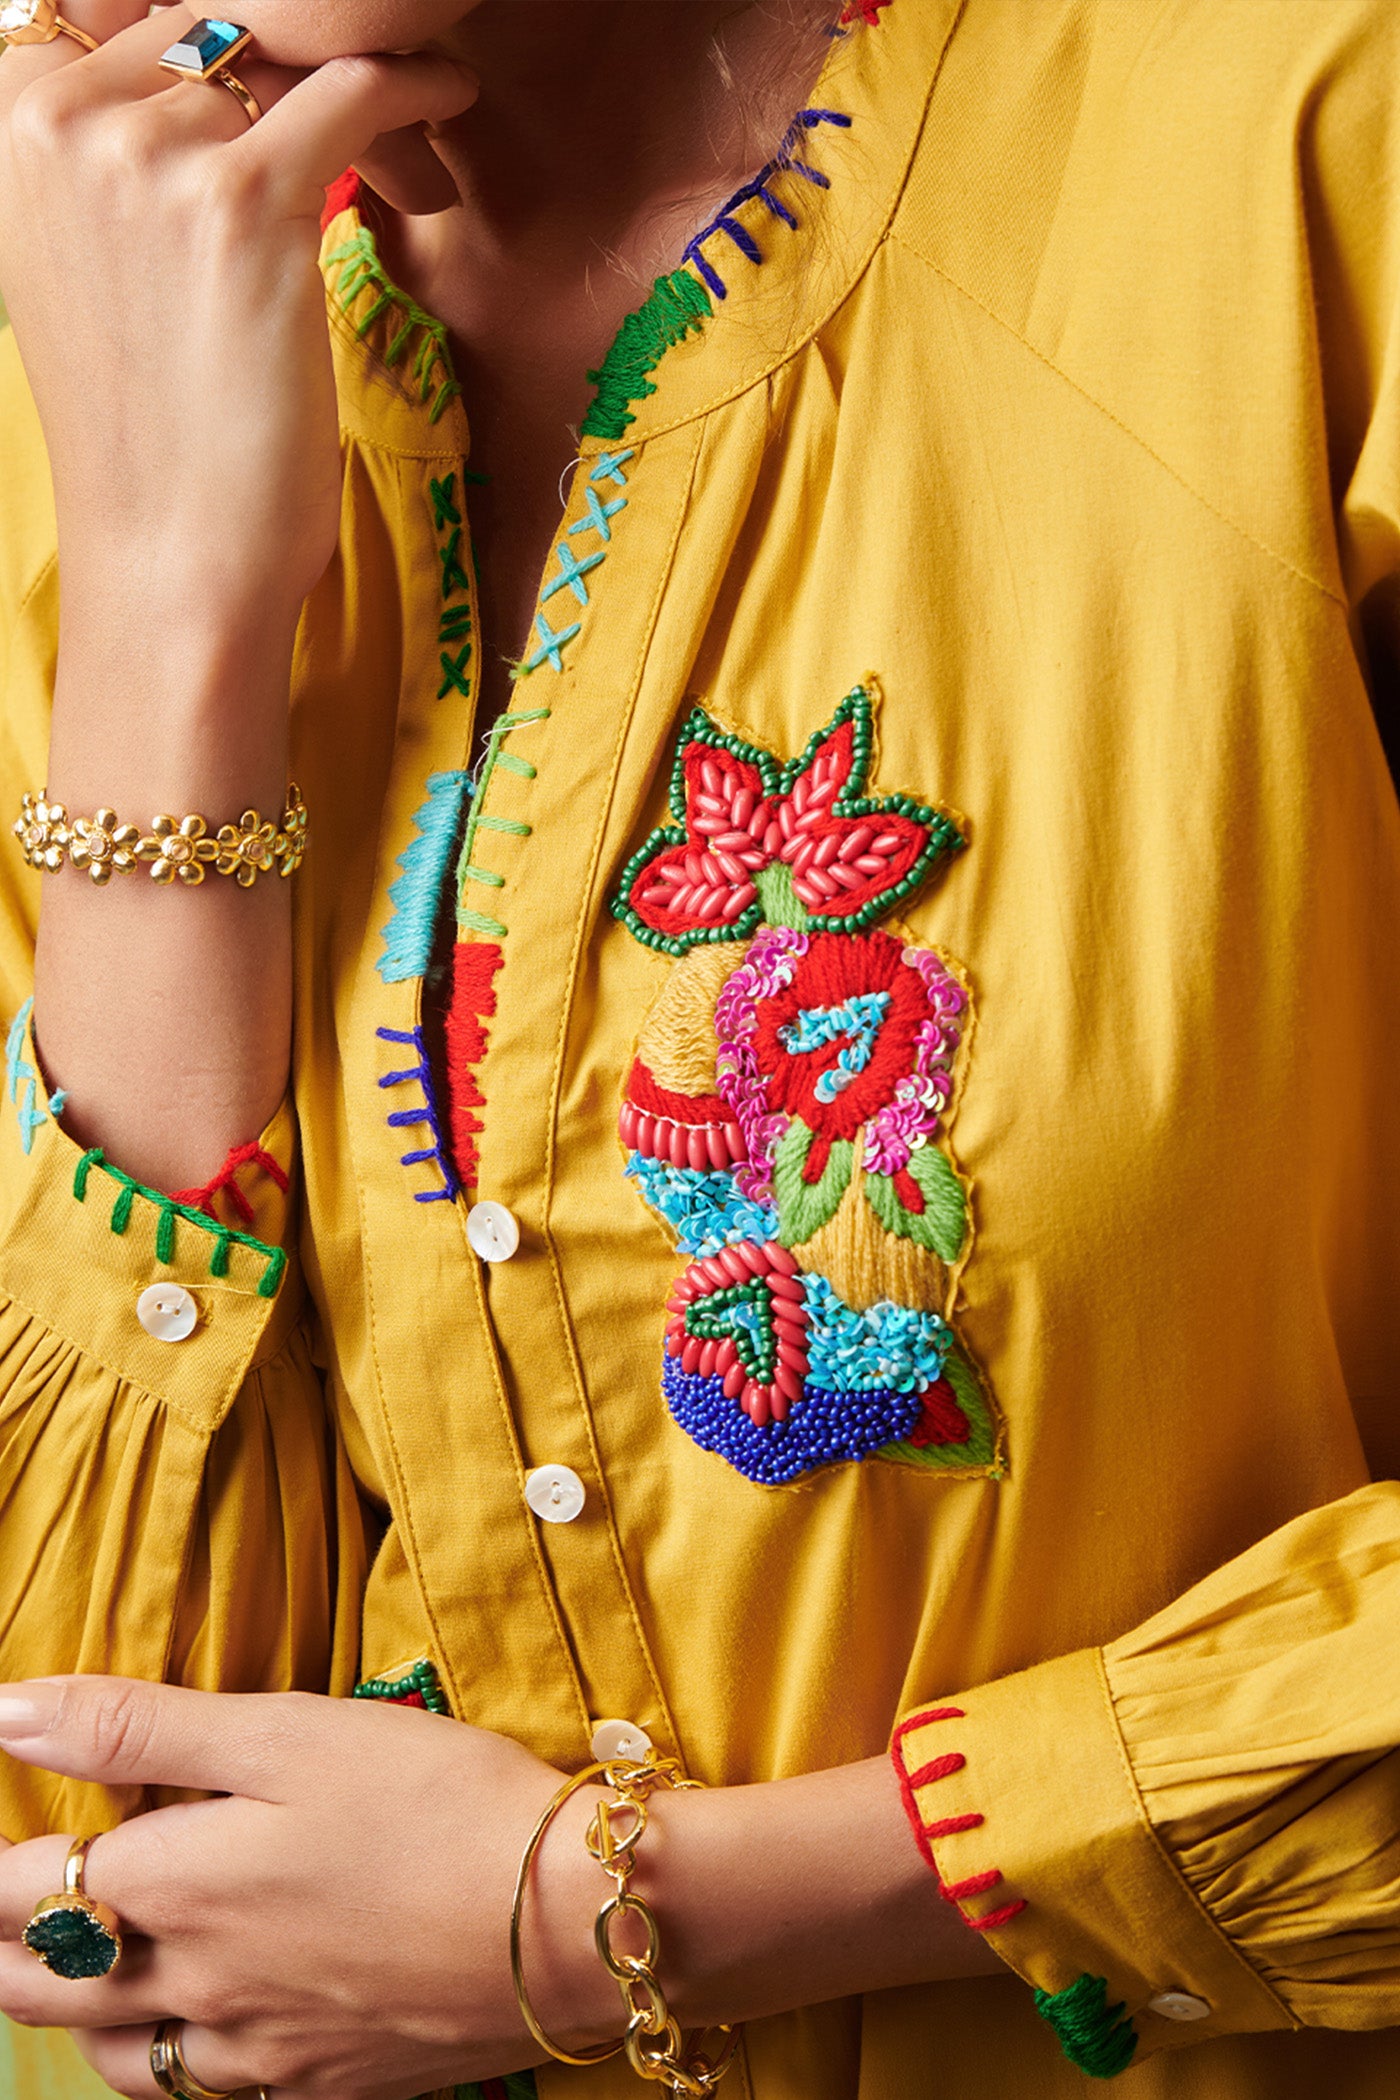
<point>767,1897</point>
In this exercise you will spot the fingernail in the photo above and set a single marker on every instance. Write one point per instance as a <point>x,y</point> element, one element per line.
<point>27,1710</point>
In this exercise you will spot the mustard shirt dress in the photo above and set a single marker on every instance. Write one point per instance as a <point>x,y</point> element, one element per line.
<point>919,1061</point>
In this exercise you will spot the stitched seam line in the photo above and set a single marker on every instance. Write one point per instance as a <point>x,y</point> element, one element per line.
<point>1217,1931</point>
<point>839,298</point>
<point>588,907</point>
<point>1242,532</point>
<point>156,1399</point>
<point>404,1511</point>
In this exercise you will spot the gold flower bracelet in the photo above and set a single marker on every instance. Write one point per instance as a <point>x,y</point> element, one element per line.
<point>180,848</point>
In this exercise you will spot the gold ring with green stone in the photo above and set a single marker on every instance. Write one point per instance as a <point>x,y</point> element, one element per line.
<point>73,1934</point>
<point>38,22</point>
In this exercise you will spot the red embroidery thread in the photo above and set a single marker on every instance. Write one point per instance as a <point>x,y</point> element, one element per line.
<point>225,1182</point>
<point>342,194</point>
<point>471,1005</point>
<point>941,1768</point>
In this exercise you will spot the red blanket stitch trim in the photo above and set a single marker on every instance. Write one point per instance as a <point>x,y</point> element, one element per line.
<point>955,1892</point>
<point>225,1182</point>
<point>471,1005</point>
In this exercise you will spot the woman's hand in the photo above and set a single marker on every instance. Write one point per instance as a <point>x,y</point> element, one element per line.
<point>158,254</point>
<point>338,1925</point>
<point>158,258</point>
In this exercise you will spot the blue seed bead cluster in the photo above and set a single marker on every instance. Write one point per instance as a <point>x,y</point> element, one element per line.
<point>824,1428</point>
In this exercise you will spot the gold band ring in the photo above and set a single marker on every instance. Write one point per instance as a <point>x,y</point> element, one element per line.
<point>38,22</point>
<point>206,52</point>
<point>174,2076</point>
<point>251,107</point>
<point>72,1934</point>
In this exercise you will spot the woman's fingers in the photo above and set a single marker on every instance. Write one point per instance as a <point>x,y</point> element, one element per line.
<point>119,1731</point>
<point>100,19</point>
<point>127,69</point>
<point>142,1987</point>
<point>334,116</point>
<point>122,2056</point>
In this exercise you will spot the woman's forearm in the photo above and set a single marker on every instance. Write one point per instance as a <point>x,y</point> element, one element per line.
<point>768,1897</point>
<point>165,1010</point>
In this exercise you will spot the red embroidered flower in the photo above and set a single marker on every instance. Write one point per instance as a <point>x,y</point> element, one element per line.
<point>834,1043</point>
<point>796,844</point>
<point>826,1039</point>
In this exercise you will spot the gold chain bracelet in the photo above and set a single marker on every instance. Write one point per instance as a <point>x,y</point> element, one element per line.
<point>652,2041</point>
<point>180,848</point>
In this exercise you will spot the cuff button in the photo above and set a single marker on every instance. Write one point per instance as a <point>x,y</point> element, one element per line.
<point>1179,2005</point>
<point>167,1312</point>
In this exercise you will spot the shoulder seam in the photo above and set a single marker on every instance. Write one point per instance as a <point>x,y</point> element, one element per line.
<point>1312,583</point>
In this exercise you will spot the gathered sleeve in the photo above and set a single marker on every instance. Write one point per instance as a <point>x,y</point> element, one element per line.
<point>1195,1830</point>
<point>175,1502</point>
<point>173,1508</point>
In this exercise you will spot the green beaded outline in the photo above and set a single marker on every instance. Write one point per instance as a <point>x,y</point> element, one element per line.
<point>778,777</point>
<point>127,1193</point>
<point>422,1678</point>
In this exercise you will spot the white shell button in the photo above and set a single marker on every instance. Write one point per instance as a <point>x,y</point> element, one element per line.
<point>1179,2005</point>
<point>167,1312</point>
<point>493,1231</point>
<point>555,1493</point>
<point>619,1739</point>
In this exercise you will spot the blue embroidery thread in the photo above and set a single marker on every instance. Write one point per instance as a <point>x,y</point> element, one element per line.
<point>411,1118</point>
<point>599,513</point>
<point>408,936</point>
<point>21,1074</point>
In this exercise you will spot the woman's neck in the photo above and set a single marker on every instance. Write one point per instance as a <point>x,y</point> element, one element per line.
<point>607,129</point>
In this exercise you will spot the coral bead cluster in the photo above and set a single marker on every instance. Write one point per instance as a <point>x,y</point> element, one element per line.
<point>786,1110</point>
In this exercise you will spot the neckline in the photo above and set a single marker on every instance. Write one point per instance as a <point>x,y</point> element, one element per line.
<point>752,286</point>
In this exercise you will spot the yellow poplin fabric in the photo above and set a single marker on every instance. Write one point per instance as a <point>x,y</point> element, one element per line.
<point>1065,424</point>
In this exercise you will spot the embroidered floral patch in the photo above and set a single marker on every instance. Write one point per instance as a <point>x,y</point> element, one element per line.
<point>785,1113</point>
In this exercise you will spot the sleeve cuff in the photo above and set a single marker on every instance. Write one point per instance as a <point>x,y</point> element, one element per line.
<point>80,1242</point>
<point>1023,1802</point>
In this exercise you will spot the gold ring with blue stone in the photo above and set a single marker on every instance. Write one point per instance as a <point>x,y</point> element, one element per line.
<point>38,22</point>
<point>73,1934</point>
<point>205,52</point>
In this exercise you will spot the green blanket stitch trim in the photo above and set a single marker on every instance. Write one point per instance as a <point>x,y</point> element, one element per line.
<point>432,367</point>
<point>674,308</point>
<point>225,1235</point>
<point>1095,2036</point>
